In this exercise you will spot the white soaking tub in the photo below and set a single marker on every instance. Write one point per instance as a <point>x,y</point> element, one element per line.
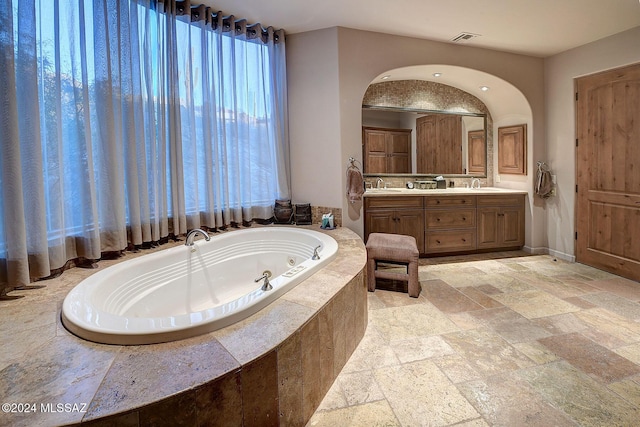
<point>186,291</point>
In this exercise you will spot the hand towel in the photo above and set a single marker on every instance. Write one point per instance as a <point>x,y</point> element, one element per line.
<point>355,185</point>
<point>544,185</point>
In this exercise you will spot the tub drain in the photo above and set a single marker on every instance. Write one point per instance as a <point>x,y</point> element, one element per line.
<point>291,261</point>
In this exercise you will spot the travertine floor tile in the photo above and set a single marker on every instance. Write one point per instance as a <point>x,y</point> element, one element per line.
<point>617,304</point>
<point>505,400</point>
<point>552,344</point>
<point>620,286</point>
<point>375,414</point>
<point>421,395</point>
<point>591,358</point>
<point>410,321</point>
<point>360,387</point>
<point>457,368</point>
<point>628,389</point>
<point>630,352</point>
<point>605,322</point>
<point>535,303</point>
<point>480,297</point>
<point>510,325</point>
<point>486,351</point>
<point>446,298</point>
<point>581,397</point>
<point>373,351</point>
<point>420,348</point>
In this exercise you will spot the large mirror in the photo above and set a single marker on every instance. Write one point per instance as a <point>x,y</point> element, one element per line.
<point>402,141</point>
<point>422,127</point>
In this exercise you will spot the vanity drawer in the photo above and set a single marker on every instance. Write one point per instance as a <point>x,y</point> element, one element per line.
<point>450,201</point>
<point>501,200</point>
<point>450,218</point>
<point>451,241</point>
<point>393,202</point>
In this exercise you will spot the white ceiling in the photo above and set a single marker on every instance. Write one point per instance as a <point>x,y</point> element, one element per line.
<point>532,27</point>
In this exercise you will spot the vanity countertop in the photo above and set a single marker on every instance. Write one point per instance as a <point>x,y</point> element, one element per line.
<point>439,192</point>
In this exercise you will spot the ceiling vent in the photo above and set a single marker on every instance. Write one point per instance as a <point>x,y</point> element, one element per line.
<point>464,37</point>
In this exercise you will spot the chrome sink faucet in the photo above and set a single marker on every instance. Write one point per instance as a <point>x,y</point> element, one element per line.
<point>192,235</point>
<point>378,182</point>
<point>475,181</point>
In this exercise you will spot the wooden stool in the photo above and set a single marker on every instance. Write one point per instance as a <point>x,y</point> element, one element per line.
<point>393,249</point>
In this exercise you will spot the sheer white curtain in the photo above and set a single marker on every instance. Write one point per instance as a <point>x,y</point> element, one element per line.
<point>122,122</point>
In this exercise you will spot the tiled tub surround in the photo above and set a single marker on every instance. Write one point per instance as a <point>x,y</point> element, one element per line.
<point>273,368</point>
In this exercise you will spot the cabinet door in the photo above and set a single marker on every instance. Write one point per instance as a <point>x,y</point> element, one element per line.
<point>379,221</point>
<point>411,223</point>
<point>375,150</point>
<point>399,152</point>
<point>449,143</point>
<point>512,227</point>
<point>477,152</point>
<point>488,228</point>
<point>425,146</point>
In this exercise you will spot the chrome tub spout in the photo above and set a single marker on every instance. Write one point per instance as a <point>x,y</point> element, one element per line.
<point>192,234</point>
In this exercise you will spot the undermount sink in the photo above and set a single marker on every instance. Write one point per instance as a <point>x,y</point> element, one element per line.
<point>383,190</point>
<point>466,189</point>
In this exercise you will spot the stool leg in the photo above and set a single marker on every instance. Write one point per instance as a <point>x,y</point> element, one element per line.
<point>413,284</point>
<point>371,275</point>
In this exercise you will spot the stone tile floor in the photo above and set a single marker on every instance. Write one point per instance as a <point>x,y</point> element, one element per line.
<point>500,340</point>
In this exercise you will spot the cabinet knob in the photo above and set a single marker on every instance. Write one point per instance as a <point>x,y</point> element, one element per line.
<point>464,201</point>
<point>438,219</point>
<point>464,218</point>
<point>437,202</point>
<point>464,240</point>
<point>438,241</point>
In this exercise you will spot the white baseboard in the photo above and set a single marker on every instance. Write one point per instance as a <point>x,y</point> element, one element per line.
<point>562,255</point>
<point>535,251</point>
<point>546,251</point>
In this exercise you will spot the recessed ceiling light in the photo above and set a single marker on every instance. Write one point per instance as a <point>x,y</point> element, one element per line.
<point>386,77</point>
<point>484,88</point>
<point>437,74</point>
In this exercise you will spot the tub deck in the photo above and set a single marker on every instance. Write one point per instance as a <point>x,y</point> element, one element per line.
<point>269,369</point>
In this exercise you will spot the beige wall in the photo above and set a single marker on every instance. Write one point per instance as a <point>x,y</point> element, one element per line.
<point>560,72</point>
<point>333,122</point>
<point>314,118</point>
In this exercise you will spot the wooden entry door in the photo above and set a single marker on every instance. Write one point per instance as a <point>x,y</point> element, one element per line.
<point>608,171</point>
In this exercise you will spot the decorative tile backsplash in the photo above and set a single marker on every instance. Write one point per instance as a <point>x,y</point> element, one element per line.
<point>422,95</point>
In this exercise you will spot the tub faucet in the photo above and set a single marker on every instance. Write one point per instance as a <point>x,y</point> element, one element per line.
<point>315,253</point>
<point>266,286</point>
<point>192,234</point>
<point>475,181</point>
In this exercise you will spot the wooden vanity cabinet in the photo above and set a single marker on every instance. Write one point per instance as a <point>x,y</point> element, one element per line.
<point>450,224</point>
<point>395,215</point>
<point>443,224</point>
<point>501,221</point>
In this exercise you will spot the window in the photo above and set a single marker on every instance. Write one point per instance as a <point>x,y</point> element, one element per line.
<point>133,123</point>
